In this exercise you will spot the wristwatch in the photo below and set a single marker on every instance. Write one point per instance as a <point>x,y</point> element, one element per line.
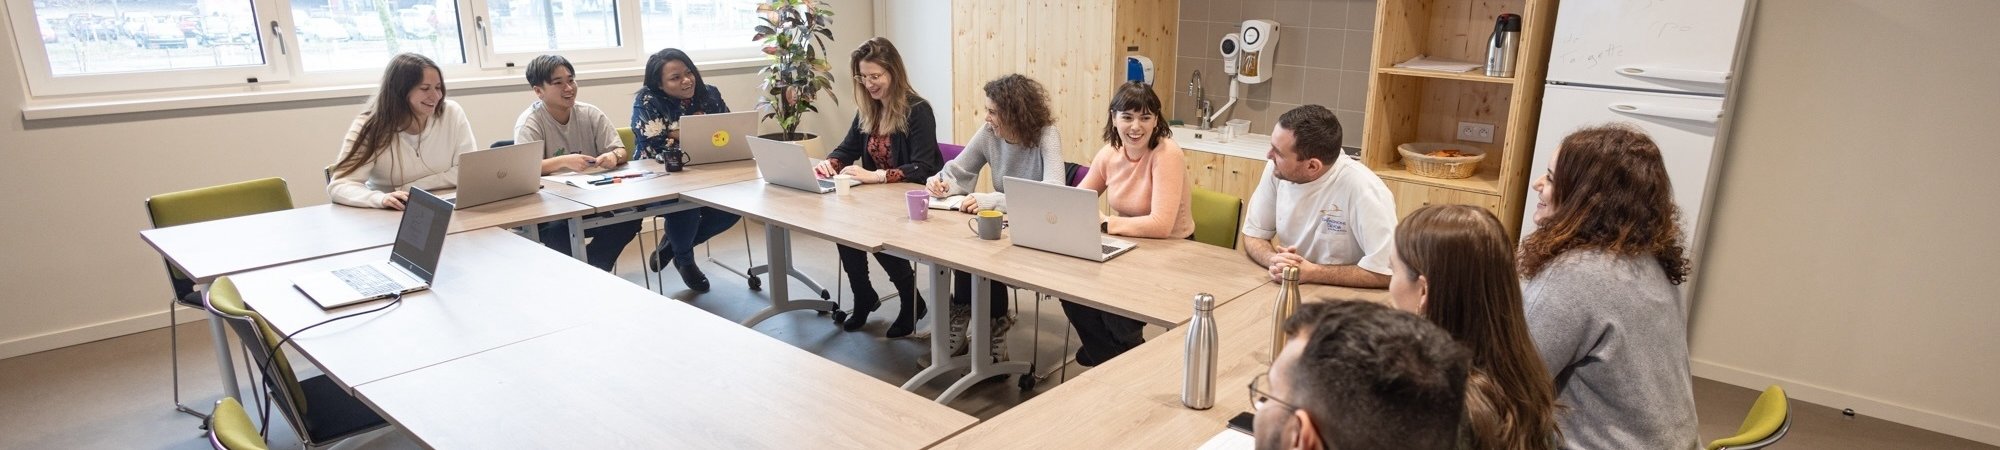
<point>1104,227</point>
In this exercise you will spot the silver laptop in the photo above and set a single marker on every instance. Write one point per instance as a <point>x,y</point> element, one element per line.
<point>412,261</point>
<point>499,173</point>
<point>1059,219</point>
<point>785,164</point>
<point>714,138</point>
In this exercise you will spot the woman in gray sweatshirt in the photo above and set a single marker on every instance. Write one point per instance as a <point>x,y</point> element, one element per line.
<point>1601,293</point>
<point>1018,140</point>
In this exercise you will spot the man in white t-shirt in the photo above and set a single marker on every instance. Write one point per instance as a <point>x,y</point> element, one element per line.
<point>575,136</point>
<point>1317,209</point>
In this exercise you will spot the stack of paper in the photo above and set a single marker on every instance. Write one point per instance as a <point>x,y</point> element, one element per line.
<point>1422,62</point>
<point>594,179</point>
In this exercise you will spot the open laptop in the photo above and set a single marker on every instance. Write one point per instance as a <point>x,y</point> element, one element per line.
<point>714,138</point>
<point>412,261</point>
<point>499,173</point>
<point>1059,219</point>
<point>785,164</point>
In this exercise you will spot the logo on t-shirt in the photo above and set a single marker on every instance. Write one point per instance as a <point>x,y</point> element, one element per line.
<point>1332,219</point>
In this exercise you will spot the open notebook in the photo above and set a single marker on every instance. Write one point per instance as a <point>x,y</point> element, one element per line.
<point>598,177</point>
<point>947,203</point>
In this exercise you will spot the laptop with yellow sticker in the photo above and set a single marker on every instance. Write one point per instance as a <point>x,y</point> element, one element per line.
<point>714,138</point>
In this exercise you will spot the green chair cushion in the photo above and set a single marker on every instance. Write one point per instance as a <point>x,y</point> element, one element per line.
<point>218,202</point>
<point>1765,417</point>
<point>631,143</point>
<point>223,296</point>
<point>231,426</point>
<point>1217,217</point>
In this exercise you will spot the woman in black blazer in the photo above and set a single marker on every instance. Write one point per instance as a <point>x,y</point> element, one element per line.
<point>893,140</point>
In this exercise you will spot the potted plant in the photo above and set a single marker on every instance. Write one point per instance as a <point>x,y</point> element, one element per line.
<point>794,34</point>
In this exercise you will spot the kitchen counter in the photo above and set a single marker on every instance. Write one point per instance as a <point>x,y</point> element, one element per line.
<point>1252,146</point>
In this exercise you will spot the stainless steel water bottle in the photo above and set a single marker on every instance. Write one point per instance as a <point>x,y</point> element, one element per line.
<point>1503,46</point>
<point>1198,370</point>
<point>1287,303</point>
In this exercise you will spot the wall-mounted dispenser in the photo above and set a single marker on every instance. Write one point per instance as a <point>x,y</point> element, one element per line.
<point>1260,51</point>
<point>1231,47</point>
<point>1139,68</point>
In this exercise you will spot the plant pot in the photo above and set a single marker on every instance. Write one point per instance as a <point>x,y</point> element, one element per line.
<point>815,147</point>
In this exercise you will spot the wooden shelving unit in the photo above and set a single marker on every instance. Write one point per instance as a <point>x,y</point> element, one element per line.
<point>1407,105</point>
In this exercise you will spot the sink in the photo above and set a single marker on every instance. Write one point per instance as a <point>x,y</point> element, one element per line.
<point>1253,146</point>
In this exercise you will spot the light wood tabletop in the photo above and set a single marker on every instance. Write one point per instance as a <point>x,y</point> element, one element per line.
<point>1155,282</point>
<point>662,188</point>
<point>666,376</point>
<point>492,289</point>
<point>1134,400</point>
<point>856,220</point>
<point>220,247</point>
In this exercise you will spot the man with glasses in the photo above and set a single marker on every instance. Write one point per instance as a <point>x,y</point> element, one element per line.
<point>1360,375</point>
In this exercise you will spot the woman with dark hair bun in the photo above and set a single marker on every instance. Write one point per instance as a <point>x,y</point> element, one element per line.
<point>1602,292</point>
<point>673,88</point>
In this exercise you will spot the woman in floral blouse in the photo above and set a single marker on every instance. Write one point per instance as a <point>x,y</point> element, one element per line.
<point>673,88</point>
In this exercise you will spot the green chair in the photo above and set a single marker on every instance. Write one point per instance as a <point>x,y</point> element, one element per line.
<point>320,411</point>
<point>1766,423</point>
<point>631,143</point>
<point>229,428</point>
<point>1217,217</point>
<point>202,205</point>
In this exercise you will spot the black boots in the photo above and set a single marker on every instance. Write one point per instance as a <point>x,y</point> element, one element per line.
<point>906,319</point>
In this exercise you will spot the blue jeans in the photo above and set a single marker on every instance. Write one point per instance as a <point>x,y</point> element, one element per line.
<point>605,242</point>
<point>686,229</point>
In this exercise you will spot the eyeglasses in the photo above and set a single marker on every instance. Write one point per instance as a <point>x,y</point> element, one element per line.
<point>871,78</point>
<point>1260,392</point>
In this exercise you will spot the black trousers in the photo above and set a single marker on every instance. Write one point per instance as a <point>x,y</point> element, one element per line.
<point>855,263</point>
<point>961,293</point>
<point>1104,335</point>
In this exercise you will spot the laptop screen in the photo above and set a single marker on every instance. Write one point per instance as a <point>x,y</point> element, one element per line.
<point>420,238</point>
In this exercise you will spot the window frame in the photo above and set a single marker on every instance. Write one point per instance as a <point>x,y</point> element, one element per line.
<point>43,82</point>
<point>629,36</point>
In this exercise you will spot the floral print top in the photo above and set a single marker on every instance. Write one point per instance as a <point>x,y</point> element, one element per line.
<point>655,115</point>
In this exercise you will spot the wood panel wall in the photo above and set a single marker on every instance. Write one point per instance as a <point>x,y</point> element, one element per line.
<point>1076,49</point>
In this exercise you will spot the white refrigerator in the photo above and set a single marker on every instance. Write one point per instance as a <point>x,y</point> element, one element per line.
<point>1663,66</point>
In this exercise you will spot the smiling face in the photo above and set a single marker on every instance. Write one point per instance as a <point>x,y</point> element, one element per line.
<point>426,95</point>
<point>874,79</point>
<point>677,80</point>
<point>993,120</point>
<point>1545,192</point>
<point>559,92</point>
<point>1134,127</point>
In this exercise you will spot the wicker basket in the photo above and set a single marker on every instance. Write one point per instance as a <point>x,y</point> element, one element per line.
<point>1417,160</point>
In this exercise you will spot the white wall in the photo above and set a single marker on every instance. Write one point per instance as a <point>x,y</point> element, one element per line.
<point>1853,241</point>
<point>921,30</point>
<point>75,268</point>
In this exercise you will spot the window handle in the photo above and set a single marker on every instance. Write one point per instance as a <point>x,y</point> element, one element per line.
<point>485,37</point>
<point>279,38</point>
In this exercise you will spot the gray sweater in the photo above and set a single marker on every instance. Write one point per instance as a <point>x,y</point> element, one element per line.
<point>1043,162</point>
<point>1613,331</point>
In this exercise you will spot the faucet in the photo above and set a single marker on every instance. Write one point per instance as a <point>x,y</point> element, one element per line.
<point>1203,108</point>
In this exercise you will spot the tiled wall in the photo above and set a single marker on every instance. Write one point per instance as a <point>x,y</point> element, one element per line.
<point>1323,50</point>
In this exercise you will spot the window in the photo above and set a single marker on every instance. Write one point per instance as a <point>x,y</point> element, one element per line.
<point>135,48</point>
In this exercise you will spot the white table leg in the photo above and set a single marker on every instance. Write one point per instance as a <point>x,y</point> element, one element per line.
<point>576,239</point>
<point>778,245</point>
<point>980,337</point>
<point>940,305</point>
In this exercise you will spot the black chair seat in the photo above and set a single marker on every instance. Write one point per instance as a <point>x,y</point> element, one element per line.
<point>331,414</point>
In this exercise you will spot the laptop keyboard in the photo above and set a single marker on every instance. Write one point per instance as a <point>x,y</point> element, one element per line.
<point>366,280</point>
<point>1107,249</point>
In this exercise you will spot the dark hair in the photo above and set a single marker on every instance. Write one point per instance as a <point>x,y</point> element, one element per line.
<point>543,67</point>
<point>1611,194</point>
<point>389,111</point>
<point>1475,295</point>
<point>1374,377</point>
<point>1315,130</point>
<point>890,115</point>
<point>1136,96</point>
<point>657,64</point>
<point>1023,107</point>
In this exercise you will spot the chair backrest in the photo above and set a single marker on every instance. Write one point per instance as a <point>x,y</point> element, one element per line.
<point>229,428</point>
<point>501,143</point>
<point>1217,217</point>
<point>260,341</point>
<point>1073,173</point>
<point>1767,422</point>
<point>631,142</point>
<point>211,203</point>
<point>950,151</point>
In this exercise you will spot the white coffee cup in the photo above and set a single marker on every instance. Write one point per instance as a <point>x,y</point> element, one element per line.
<point>841,183</point>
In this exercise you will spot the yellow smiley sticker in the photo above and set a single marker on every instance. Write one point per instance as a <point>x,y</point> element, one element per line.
<point>720,138</point>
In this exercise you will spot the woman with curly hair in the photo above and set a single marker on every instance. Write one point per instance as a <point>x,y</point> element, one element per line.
<point>1454,265</point>
<point>1602,298</point>
<point>1018,140</point>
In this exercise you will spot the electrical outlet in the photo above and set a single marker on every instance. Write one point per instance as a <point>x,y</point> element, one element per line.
<point>1475,132</point>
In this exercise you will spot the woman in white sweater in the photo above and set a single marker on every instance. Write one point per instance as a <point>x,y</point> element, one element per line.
<point>1018,140</point>
<point>409,136</point>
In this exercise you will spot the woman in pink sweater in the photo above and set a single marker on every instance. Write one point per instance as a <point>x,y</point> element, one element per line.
<point>1142,175</point>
